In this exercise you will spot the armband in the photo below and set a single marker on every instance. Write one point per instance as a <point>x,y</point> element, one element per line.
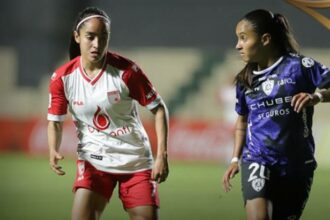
<point>318,94</point>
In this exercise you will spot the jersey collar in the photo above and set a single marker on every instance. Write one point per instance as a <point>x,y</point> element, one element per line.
<point>268,68</point>
<point>97,76</point>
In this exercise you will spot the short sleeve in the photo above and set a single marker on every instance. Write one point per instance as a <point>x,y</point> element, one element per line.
<point>240,106</point>
<point>317,73</point>
<point>57,107</point>
<point>140,88</point>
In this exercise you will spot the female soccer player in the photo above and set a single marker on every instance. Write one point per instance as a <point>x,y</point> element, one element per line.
<point>101,90</point>
<point>275,93</point>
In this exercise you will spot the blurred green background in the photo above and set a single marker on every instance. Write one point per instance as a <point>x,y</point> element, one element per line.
<point>29,190</point>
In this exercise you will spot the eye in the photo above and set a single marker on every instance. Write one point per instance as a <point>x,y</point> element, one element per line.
<point>90,37</point>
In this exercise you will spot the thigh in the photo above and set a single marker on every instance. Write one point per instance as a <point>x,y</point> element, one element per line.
<point>138,189</point>
<point>143,213</point>
<point>255,181</point>
<point>87,205</point>
<point>290,196</point>
<point>88,177</point>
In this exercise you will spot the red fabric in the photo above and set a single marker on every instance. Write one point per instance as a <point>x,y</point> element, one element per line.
<point>135,189</point>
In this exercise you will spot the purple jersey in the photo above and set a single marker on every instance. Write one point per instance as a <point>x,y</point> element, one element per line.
<point>276,135</point>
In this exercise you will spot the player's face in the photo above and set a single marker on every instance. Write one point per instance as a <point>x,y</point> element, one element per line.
<point>93,38</point>
<point>248,42</point>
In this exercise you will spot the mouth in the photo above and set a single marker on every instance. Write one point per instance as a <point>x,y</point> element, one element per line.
<point>95,53</point>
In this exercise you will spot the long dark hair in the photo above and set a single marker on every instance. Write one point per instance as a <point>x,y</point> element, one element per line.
<point>74,49</point>
<point>277,25</point>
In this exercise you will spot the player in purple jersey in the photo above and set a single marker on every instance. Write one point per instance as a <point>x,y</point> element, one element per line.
<point>275,95</point>
<point>101,90</point>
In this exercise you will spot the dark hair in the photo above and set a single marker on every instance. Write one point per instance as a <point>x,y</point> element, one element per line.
<point>277,25</point>
<point>74,49</point>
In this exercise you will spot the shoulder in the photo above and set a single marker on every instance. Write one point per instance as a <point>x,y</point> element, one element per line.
<point>67,68</point>
<point>120,62</point>
<point>303,61</point>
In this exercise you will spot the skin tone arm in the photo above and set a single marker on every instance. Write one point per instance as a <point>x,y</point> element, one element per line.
<point>55,129</point>
<point>301,100</point>
<point>160,170</point>
<point>239,140</point>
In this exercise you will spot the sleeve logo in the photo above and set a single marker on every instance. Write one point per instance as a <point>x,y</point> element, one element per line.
<point>307,62</point>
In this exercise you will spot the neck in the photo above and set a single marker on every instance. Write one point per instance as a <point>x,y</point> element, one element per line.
<point>268,61</point>
<point>91,69</point>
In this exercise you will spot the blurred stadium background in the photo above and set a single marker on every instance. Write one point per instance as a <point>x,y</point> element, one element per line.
<point>186,47</point>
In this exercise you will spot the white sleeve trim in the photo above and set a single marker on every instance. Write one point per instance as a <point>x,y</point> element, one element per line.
<point>52,117</point>
<point>154,103</point>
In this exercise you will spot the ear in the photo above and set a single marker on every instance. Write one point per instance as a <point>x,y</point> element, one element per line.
<point>76,37</point>
<point>266,39</point>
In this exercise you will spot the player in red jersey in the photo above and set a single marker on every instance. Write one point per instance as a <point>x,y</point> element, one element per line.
<point>101,90</point>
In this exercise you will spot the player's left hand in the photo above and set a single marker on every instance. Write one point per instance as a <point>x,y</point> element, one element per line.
<point>303,99</point>
<point>160,170</point>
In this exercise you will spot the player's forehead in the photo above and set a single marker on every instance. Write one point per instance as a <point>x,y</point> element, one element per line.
<point>95,25</point>
<point>244,27</point>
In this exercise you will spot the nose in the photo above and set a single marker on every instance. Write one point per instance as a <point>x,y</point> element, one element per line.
<point>238,46</point>
<point>96,42</point>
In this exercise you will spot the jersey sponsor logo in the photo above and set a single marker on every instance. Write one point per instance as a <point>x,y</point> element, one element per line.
<point>271,102</point>
<point>101,120</point>
<point>77,102</point>
<point>113,96</point>
<point>307,62</point>
<point>121,131</point>
<point>96,157</point>
<point>268,86</point>
<point>285,81</point>
<point>274,113</point>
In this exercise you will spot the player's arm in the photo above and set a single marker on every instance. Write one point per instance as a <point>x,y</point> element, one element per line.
<point>161,169</point>
<point>239,140</point>
<point>55,129</point>
<point>301,100</point>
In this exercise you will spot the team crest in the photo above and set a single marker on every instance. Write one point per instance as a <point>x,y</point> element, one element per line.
<point>307,62</point>
<point>113,97</point>
<point>258,184</point>
<point>268,86</point>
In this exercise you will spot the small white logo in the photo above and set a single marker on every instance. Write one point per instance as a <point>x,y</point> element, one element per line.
<point>258,184</point>
<point>307,62</point>
<point>81,170</point>
<point>53,76</point>
<point>268,86</point>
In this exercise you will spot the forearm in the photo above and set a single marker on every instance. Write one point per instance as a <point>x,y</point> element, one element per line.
<point>54,135</point>
<point>161,127</point>
<point>239,136</point>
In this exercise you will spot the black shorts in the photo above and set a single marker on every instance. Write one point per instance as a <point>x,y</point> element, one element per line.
<point>288,193</point>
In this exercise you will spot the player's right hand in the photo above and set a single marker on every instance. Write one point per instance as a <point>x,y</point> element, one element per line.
<point>54,157</point>
<point>230,173</point>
